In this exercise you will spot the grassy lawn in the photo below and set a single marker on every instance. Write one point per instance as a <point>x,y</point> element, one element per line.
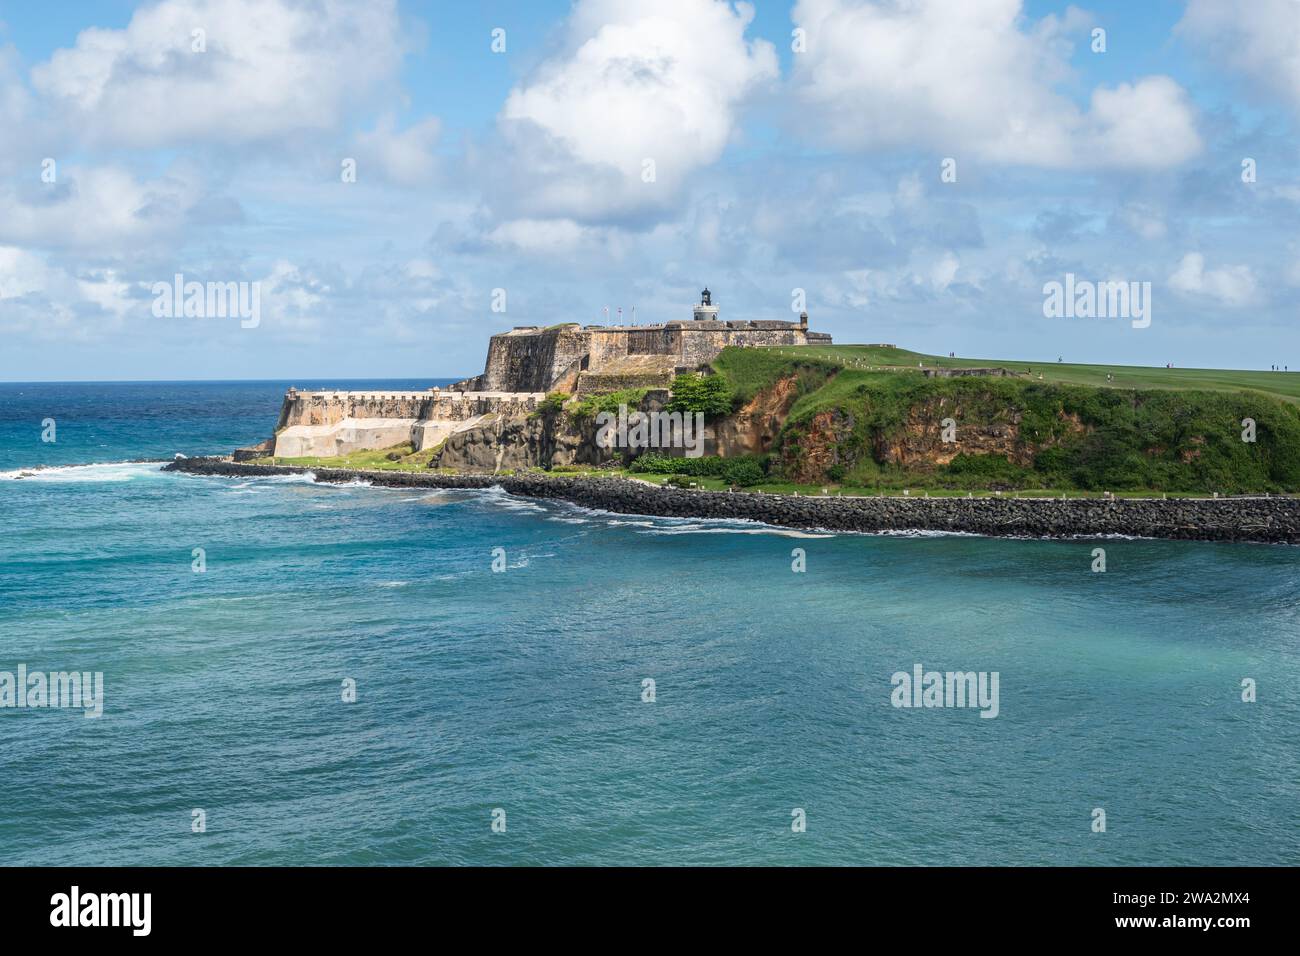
<point>1284,385</point>
<point>375,460</point>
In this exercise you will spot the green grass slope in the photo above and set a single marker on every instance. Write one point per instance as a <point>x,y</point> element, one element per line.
<point>1283,384</point>
<point>867,417</point>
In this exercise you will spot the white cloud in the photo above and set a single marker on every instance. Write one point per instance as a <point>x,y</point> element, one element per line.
<point>21,273</point>
<point>1260,39</point>
<point>1229,285</point>
<point>403,157</point>
<point>294,299</point>
<point>270,67</point>
<point>97,208</point>
<point>658,82</point>
<point>107,289</point>
<point>547,238</point>
<point>926,277</point>
<point>539,235</point>
<point>1141,220</point>
<point>976,78</point>
<point>49,304</point>
<point>944,271</point>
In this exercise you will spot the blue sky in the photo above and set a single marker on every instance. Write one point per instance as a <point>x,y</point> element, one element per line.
<point>774,170</point>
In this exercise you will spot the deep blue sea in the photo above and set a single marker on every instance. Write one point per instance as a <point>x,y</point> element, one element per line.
<point>522,690</point>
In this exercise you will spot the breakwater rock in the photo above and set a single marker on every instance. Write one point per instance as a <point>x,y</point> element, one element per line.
<point>1208,519</point>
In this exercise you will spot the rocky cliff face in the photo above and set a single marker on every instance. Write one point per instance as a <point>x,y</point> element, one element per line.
<point>815,448</point>
<point>836,437</point>
<point>517,441</point>
<point>540,440</point>
<point>753,429</point>
<point>511,442</point>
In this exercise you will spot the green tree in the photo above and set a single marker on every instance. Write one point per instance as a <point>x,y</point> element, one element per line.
<point>709,394</point>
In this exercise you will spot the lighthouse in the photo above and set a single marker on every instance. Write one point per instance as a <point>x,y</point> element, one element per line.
<point>706,311</point>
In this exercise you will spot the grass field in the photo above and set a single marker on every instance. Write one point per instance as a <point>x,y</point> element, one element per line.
<point>1284,385</point>
<point>370,460</point>
<point>1074,427</point>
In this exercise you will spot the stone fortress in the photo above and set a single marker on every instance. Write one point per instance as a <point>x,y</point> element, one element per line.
<point>523,365</point>
<point>583,359</point>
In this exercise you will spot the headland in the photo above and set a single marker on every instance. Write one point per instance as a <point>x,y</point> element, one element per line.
<point>769,420</point>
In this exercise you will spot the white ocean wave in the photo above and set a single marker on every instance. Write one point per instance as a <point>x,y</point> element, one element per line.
<point>663,525</point>
<point>441,495</point>
<point>499,497</point>
<point>718,529</point>
<point>110,471</point>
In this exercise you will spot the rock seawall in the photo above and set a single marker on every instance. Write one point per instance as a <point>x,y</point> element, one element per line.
<point>1274,520</point>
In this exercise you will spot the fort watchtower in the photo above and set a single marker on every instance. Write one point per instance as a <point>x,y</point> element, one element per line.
<point>706,311</point>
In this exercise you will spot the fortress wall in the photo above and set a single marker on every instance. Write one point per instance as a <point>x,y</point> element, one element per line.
<point>691,343</point>
<point>330,408</point>
<point>531,362</point>
<point>325,424</point>
<point>605,348</point>
<point>592,383</point>
<point>704,345</point>
<point>654,342</point>
<point>539,360</point>
<point>513,358</point>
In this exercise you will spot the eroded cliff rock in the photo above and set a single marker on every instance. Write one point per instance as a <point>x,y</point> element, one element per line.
<point>754,428</point>
<point>514,442</point>
<point>839,437</point>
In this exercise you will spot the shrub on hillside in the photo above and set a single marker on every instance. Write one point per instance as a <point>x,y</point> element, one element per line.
<point>987,471</point>
<point>709,394</point>
<point>706,466</point>
<point>593,405</point>
<point>552,403</point>
<point>743,471</point>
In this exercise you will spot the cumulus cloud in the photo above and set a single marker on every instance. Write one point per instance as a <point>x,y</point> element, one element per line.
<point>1141,220</point>
<point>659,83</point>
<point>927,277</point>
<point>404,157</point>
<point>21,273</point>
<point>1228,285</point>
<point>976,78</point>
<point>99,208</point>
<point>269,67</point>
<point>51,303</point>
<point>544,236</point>
<point>1260,40</point>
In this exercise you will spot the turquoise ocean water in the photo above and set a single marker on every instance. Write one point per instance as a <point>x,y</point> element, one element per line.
<point>522,690</point>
